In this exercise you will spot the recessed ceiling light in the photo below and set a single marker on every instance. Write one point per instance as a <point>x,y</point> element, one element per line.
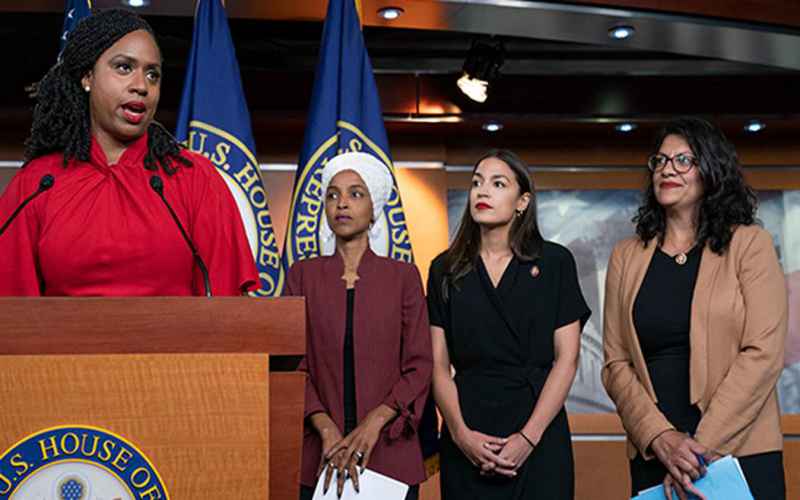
<point>137,3</point>
<point>754,126</point>
<point>621,32</point>
<point>390,13</point>
<point>492,126</point>
<point>625,127</point>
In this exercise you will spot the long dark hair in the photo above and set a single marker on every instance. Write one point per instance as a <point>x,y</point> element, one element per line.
<point>727,200</point>
<point>524,237</point>
<point>61,117</point>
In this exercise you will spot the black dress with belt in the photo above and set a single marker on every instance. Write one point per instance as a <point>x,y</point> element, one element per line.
<point>500,342</point>
<point>662,315</point>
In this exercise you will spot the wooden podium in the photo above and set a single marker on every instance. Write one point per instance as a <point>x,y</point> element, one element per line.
<point>186,380</point>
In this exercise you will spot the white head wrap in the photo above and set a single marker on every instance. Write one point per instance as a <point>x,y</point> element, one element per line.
<point>379,182</point>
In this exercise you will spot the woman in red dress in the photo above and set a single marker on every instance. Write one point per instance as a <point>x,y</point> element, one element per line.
<point>101,229</point>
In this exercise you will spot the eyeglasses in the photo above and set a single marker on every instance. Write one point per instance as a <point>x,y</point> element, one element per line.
<point>681,162</point>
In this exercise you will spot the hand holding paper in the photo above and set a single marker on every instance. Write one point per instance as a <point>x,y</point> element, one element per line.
<point>724,480</point>
<point>372,485</point>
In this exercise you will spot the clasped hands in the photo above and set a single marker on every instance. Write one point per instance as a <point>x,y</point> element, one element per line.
<point>344,456</point>
<point>685,460</point>
<point>494,455</point>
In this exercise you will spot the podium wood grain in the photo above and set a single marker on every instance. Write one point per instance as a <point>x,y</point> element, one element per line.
<point>286,396</point>
<point>152,325</point>
<point>198,417</point>
<point>154,358</point>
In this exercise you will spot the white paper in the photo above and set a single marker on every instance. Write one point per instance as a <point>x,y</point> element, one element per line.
<point>371,484</point>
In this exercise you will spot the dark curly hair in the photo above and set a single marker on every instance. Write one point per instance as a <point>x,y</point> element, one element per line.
<point>61,117</point>
<point>727,200</point>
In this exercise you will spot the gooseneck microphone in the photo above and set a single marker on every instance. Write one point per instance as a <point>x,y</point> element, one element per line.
<point>158,186</point>
<point>45,183</point>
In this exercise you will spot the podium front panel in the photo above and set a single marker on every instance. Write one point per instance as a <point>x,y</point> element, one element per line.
<point>201,419</point>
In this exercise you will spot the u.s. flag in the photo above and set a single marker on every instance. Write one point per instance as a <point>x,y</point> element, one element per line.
<point>213,120</point>
<point>74,11</point>
<point>345,116</point>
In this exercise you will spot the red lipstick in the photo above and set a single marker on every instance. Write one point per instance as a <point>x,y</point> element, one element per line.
<point>134,111</point>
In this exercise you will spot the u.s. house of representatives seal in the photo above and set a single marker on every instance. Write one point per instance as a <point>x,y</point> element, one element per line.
<point>239,168</point>
<point>78,463</point>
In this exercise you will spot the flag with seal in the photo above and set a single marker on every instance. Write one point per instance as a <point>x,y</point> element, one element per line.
<point>345,116</point>
<point>213,121</point>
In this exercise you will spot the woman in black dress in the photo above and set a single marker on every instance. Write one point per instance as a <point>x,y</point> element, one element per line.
<point>506,313</point>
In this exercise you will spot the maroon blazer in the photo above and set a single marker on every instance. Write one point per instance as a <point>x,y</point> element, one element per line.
<point>392,355</point>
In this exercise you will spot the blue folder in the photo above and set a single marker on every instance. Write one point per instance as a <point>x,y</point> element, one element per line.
<point>724,480</point>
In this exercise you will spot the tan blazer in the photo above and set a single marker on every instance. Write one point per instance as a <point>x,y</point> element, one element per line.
<point>738,328</point>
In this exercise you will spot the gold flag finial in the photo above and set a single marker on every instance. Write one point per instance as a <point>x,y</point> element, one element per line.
<point>359,11</point>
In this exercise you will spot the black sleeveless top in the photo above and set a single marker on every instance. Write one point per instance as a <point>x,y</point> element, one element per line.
<point>662,316</point>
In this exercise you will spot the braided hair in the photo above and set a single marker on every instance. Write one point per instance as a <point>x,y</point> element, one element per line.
<point>61,116</point>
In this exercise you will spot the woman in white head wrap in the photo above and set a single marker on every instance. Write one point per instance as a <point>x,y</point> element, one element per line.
<point>379,183</point>
<point>368,356</point>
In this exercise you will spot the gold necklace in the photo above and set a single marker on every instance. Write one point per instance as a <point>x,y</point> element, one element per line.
<point>681,257</point>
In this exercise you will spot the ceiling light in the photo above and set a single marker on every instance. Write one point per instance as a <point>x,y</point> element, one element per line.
<point>390,13</point>
<point>414,118</point>
<point>754,126</point>
<point>473,88</point>
<point>625,127</point>
<point>492,126</point>
<point>482,66</point>
<point>621,32</point>
<point>137,3</point>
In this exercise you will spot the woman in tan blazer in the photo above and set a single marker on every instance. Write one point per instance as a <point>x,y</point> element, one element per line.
<point>695,321</point>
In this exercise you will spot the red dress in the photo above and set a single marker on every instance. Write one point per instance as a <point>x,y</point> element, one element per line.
<point>102,231</point>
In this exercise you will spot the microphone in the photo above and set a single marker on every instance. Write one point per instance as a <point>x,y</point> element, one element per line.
<point>45,183</point>
<point>158,186</point>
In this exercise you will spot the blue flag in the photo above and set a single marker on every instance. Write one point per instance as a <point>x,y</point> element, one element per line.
<point>74,11</point>
<point>345,116</point>
<point>213,121</point>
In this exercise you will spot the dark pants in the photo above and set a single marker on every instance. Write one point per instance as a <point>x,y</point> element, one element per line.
<point>764,474</point>
<point>307,493</point>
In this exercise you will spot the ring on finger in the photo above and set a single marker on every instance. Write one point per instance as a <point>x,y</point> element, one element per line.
<point>359,455</point>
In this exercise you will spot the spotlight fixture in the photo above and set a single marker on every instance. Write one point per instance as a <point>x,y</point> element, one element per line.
<point>621,32</point>
<point>482,66</point>
<point>137,3</point>
<point>754,126</point>
<point>390,13</point>
<point>492,126</point>
<point>625,127</point>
